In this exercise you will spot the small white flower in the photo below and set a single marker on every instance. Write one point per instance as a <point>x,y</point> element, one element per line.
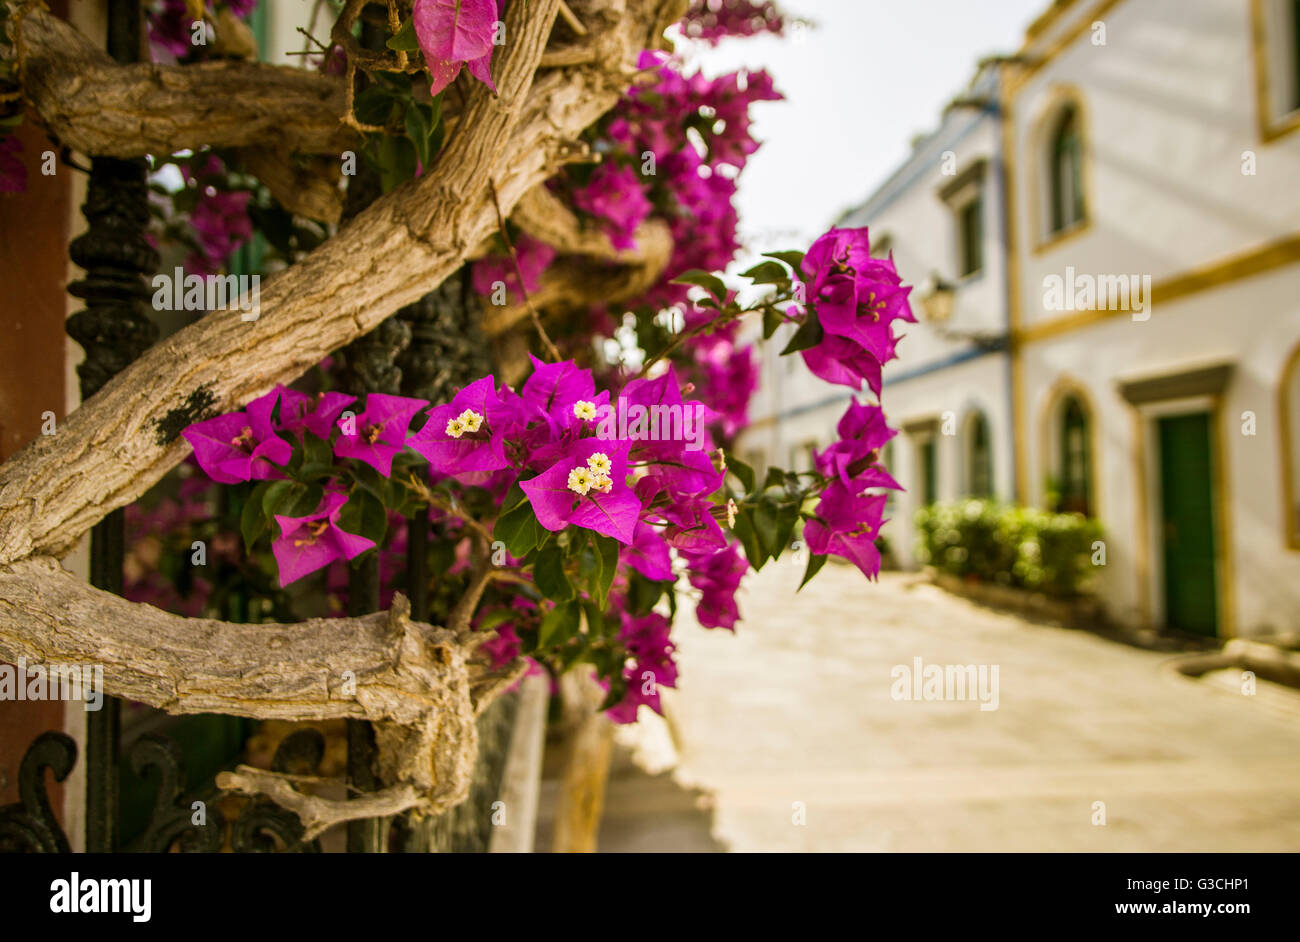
<point>470,419</point>
<point>580,480</point>
<point>584,409</point>
<point>599,462</point>
<point>455,428</point>
<point>602,483</point>
<point>731,513</point>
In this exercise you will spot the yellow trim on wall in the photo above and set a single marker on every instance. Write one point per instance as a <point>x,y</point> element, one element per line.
<point>1055,49</point>
<point>1067,385</point>
<point>1014,77</point>
<point>1142,564</point>
<point>1061,96</point>
<point>1045,19</point>
<point>1290,527</point>
<point>1009,217</point>
<point>1256,261</point>
<point>1269,129</point>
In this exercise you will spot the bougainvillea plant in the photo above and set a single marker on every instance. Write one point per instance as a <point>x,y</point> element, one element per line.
<point>599,488</point>
<point>596,504</point>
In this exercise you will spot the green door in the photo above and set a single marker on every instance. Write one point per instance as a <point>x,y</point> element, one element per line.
<point>929,486</point>
<point>1187,518</point>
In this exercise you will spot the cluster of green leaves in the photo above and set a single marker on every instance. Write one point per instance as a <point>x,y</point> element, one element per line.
<point>572,574</point>
<point>573,568</point>
<point>1023,547</point>
<point>768,513</point>
<point>414,128</point>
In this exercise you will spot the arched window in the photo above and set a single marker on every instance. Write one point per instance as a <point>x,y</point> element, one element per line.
<point>1075,492</point>
<point>979,457</point>
<point>1065,172</point>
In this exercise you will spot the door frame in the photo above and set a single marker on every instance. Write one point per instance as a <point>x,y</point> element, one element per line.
<point>1151,587</point>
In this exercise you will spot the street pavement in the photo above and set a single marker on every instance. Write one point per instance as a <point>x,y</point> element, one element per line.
<point>790,735</point>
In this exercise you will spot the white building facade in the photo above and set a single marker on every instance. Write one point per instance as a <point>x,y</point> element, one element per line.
<point>1129,344</point>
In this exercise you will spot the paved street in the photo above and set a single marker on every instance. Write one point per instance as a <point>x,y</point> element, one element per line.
<point>796,707</point>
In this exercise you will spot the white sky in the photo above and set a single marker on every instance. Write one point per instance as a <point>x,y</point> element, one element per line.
<point>859,84</point>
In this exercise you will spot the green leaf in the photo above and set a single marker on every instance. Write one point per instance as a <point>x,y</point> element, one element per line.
<point>766,526</point>
<point>749,540</point>
<point>277,498</point>
<point>548,573</point>
<point>786,518</point>
<point>643,593</point>
<point>793,259</point>
<point>595,618</point>
<point>772,320</point>
<point>743,472</point>
<point>369,479</point>
<point>364,515</point>
<point>374,105</point>
<point>253,519</point>
<point>496,619</point>
<point>515,498</point>
<point>559,624</point>
<point>767,273</point>
<point>517,527</point>
<point>808,335</point>
<point>815,562</point>
<point>417,128</point>
<point>306,501</point>
<point>396,162</point>
<point>710,283</point>
<point>405,40</point>
<point>607,550</point>
<point>316,451</point>
<point>617,691</point>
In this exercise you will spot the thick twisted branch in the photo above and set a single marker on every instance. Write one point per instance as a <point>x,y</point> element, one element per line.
<point>116,445</point>
<point>98,107</point>
<point>417,683</point>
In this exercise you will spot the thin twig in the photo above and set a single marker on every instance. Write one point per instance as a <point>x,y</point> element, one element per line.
<point>701,328</point>
<point>458,620</point>
<point>433,499</point>
<point>574,23</point>
<point>514,258</point>
<point>311,38</point>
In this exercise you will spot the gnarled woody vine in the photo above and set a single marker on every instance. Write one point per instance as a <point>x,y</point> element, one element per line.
<point>418,683</point>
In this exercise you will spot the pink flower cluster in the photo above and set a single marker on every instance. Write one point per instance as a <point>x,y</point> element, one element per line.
<point>219,220</point>
<point>857,300</point>
<point>713,20</point>
<point>533,256</point>
<point>693,185</point>
<point>171,27</point>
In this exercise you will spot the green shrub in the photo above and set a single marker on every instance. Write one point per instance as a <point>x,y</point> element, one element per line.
<point>1023,547</point>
